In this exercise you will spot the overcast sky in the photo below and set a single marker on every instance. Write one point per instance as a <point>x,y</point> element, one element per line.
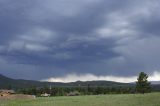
<point>79,39</point>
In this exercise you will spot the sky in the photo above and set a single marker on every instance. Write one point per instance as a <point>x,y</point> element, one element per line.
<point>70,40</point>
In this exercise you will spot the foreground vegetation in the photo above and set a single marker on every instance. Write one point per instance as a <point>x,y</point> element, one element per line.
<point>150,99</point>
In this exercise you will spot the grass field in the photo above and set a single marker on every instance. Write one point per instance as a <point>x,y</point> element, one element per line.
<point>152,99</point>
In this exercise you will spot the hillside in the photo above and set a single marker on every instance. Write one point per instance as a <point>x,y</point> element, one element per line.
<point>155,82</point>
<point>151,99</point>
<point>6,82</point>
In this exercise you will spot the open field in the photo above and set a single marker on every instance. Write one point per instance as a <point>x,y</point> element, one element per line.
<point>152,99</point>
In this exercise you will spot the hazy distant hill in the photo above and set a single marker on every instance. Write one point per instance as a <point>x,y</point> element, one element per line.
<point>155,82</point>
<point>6,83</point>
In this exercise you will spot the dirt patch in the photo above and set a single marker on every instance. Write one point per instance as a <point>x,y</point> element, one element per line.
<point>17,96</point>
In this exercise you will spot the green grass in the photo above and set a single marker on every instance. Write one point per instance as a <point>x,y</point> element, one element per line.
<point>152,99</point>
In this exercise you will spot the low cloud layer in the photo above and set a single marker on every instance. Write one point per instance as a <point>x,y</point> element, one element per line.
<point>91,77</point>
<point>44,39</point>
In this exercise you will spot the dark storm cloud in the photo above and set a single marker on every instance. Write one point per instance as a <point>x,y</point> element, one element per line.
<point>60,37</point>
<point>91,17</point>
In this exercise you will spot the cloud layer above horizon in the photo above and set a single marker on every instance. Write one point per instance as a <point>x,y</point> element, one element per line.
<point>90,77</point>
<point>54,38</point>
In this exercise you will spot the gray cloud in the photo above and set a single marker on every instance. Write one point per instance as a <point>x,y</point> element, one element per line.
<point>61,37</point>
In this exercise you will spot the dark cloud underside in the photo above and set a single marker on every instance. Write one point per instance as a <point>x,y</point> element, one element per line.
<point>41,39</point>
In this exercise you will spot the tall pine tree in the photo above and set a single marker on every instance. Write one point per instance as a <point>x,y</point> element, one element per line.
<point>142,84</point>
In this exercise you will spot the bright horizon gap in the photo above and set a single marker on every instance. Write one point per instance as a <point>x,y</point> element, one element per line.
<point>73,77</point>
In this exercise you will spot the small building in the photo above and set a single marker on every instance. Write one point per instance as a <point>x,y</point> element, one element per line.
<point>45,95</point>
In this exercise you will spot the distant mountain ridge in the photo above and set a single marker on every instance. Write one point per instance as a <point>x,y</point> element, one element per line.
<point>155,82</point>
<point>6,83</point>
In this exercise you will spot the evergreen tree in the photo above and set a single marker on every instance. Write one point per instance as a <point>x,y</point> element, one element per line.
<point>142,84</point>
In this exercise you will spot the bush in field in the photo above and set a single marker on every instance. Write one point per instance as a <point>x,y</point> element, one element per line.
<point>142,85</point>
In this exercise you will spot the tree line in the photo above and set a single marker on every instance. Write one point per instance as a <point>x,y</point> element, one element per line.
<point>63,91</point>
<point>142,86</point>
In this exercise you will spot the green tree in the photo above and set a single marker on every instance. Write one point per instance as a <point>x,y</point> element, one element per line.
<point>142,84</point>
